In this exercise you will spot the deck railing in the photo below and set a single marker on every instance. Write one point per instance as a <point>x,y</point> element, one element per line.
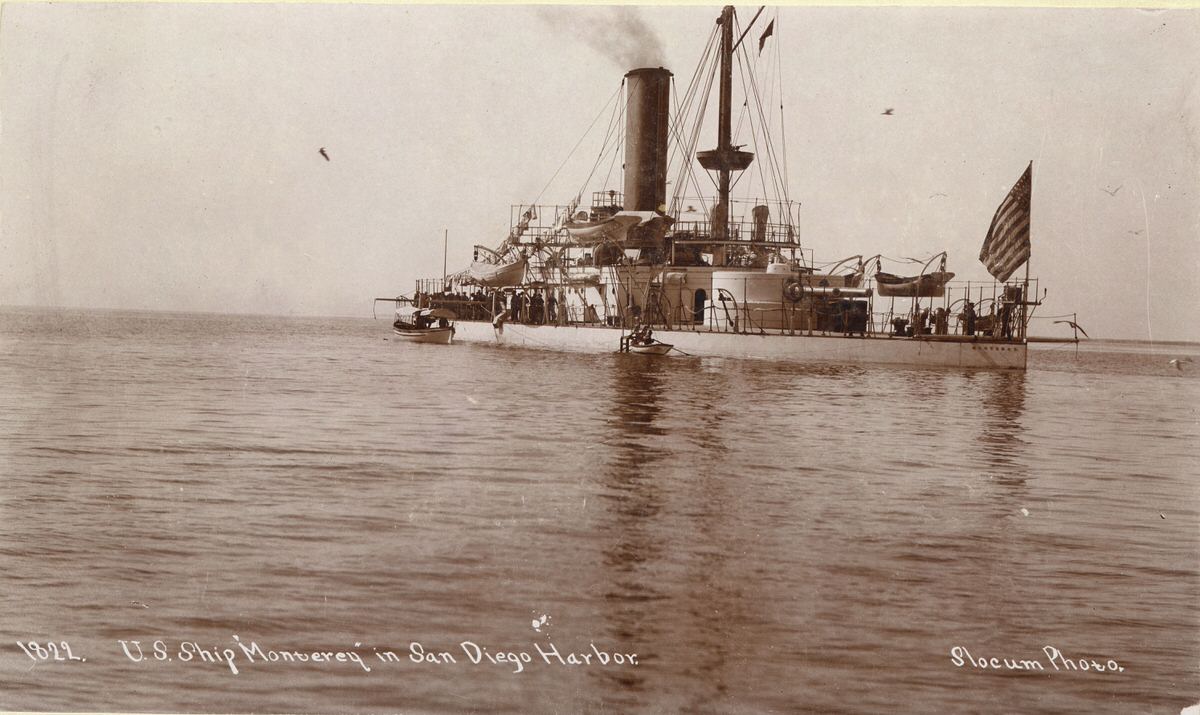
<point>998,312</point>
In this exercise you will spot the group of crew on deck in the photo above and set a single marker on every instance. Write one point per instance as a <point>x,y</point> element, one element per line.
<point>531,305</point>
<point>997,324</point>
<point>467,306</point>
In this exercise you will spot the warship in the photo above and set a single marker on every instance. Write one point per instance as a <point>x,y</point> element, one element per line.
<point>633,269</point>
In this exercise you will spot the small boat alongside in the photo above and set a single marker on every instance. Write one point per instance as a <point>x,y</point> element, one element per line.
<point>642,342</point>
<point>425,325</point>
<point>653,347</point>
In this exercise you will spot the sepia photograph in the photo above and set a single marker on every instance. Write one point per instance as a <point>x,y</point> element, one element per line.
<point>453,358</point>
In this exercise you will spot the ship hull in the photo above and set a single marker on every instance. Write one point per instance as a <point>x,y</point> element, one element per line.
<point>860,350</point>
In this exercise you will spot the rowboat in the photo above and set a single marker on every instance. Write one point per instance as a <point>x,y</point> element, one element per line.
<point>653,347</point>
<point>643,342</point>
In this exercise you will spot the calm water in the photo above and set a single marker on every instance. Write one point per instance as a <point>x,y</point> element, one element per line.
<point>766,538</point>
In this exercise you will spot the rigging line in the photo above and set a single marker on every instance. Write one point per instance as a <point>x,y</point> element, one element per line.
<point>743,70</point>
<point>749,86</point>
<point>703,107</point>
<point>744,109</point>
<point>612,129</point>
<point>684,157</point>
<point>707,71</point>
<point>681,151</point>
<point>773,79</point>
<point>770,79</point>
<point>703,111</point>
<point>691,84</point>
<point>704,97</point>
<point>674,140</point>
<point>612,164</point>
<point>704,92</point>
<point>585,133</point>
<point>752,21</point>
<point>693,88</point>
<point>698,74</point>
<point>685,172</point>
<point>615,125</point>
<point>618,144</point>
<point>771,153</point>
<point>782,123</point>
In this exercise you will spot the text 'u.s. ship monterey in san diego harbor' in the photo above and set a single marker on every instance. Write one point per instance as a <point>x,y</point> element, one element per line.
<point>636,270</point>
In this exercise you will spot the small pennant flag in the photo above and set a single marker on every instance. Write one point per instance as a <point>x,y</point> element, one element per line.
<point>1007,244</point>
<point>762,40</point>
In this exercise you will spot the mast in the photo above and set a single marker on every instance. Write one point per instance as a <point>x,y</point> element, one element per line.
<point>724,126</point>
<point>726,157</point>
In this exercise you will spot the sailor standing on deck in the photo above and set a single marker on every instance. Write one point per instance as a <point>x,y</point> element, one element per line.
<point>941,321</point>
<point>969,318</point>
<point>515,307</point>
<point>536,306</point>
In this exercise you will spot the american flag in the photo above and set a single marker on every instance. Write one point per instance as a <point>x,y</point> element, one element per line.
<point>1007,244</point>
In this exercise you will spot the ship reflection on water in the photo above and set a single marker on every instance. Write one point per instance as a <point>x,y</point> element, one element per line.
<point>679,573</point>
<point>633,502</point>
<point>667,564</point>
<point>1002,400</point>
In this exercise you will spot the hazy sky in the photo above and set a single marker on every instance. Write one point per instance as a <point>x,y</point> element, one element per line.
<point>164,156</point>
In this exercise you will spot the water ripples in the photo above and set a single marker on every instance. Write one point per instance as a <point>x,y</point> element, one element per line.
<point>769,537</point>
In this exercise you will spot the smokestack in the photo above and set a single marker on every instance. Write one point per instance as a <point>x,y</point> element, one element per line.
<point>647,112</point>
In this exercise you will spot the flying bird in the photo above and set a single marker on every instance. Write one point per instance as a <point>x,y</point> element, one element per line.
<point>1135,233</point>
<point>888,112</point>
<point>938,194</point>
<point>1074,325</point>
<point>1114,191</point>
<point>321,151</point>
